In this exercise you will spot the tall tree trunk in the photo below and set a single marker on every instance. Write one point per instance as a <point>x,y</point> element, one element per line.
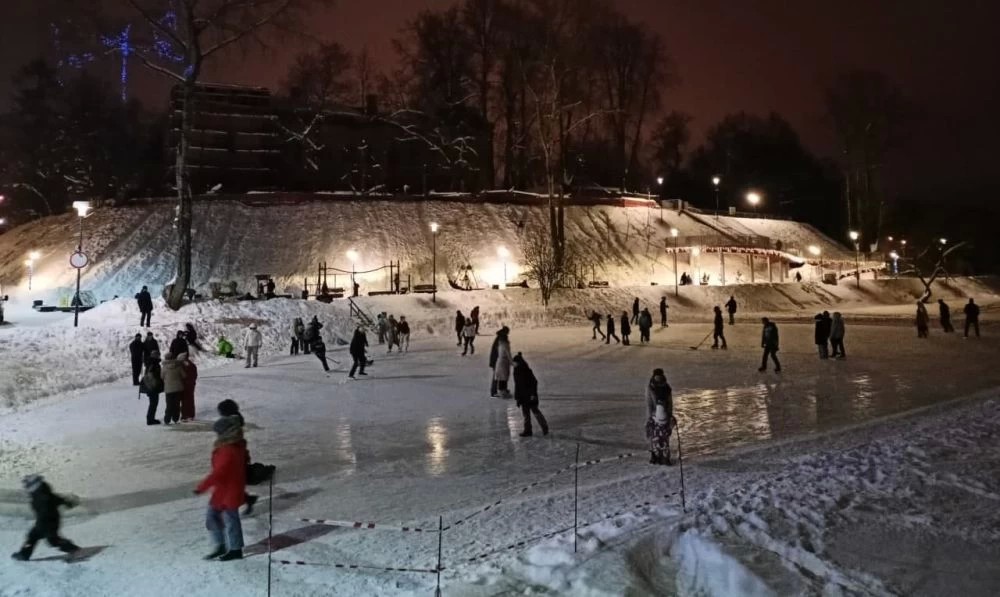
<point>175,298</point>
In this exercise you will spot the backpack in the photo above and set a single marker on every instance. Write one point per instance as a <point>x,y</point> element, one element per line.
<point>258,473</point>
<point>150,383</point>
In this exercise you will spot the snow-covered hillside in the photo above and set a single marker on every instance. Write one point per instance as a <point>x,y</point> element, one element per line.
<point>235,240</point>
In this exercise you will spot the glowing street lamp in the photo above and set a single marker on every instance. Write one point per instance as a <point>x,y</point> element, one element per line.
<point>673,234</point>
<point>79,259</point>
<point>944,241</point>
<point>857,256</point>
<point>753,198</point>
<point>816,252</point>
<point>659,182</point>
<point>715,182</point>
<point>434,261</point>
<point>352,255</point>
<point>503,253</point>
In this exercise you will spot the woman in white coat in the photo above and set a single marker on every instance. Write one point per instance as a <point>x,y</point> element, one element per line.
<point>501,371</point>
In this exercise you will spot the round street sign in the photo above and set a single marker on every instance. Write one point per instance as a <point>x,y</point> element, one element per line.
<point>79,259</point>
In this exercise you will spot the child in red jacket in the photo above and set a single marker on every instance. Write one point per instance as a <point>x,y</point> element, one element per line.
<point>228,484</point>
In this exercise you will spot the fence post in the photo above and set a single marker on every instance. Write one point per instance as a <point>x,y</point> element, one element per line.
<point>437,592</point>
<point>270,526</point>
<point>680,459</point>
<point>576,492</point>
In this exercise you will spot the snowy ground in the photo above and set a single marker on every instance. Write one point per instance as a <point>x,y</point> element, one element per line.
<point>905,507</point>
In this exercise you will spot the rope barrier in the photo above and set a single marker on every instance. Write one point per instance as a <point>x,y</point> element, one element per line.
<point>366,526</point>
<point>357,567</point>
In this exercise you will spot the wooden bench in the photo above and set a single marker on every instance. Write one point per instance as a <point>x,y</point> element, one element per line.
<point>424,288</point>
<point>598,284</point>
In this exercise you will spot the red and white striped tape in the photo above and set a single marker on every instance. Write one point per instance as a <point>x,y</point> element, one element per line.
<point>358,567</point>
<point>368,526</point>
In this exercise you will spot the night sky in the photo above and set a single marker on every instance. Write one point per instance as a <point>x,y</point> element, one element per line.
<point>753,55</point>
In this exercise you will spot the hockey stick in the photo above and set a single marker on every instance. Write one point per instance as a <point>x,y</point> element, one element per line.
<point>703,340</point>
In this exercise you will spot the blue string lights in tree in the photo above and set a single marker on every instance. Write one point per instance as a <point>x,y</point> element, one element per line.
<point>122,44</point>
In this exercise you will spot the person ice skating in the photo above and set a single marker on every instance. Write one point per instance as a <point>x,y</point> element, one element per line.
<point>660,421</point>
<point>173,387</point>
<point>595,318</point>
<point>137,353</point>
<point>459,326</point>
<point>526,394</point>
<point>469,337</point>
<point>971,317</point>
<point>229,408</point>
<point>312,330</point>
<point>501,370</point>
<point>837,330</point>
<point>494,351</point>
<point>190,381</point>
<point>359,342</point>
<point>381,325</point>
<point>718,330</point>
<point>319,349</point>
<point>298,332</point>
<point>404,334</point>
<point>731,309</point>
<point>626,328</point>
<point>151,385</point>
<point>145,303</point>
<point>45,504</point>
<point>392,332</point>
<point>821,334</point>
<point>945,313</point>
<point>225,348</point>
<point>645,325</point>
<point>179,344</point>
<point>252,341</point>
<point>635,311</point>
<point>149,344</point>
<point>923,320</point>
<point>663,311</point>
<point>228,484</point>
<point>611,331</point>
<point>191,337</point>
<point>769,342</point>
<point>474,315</point>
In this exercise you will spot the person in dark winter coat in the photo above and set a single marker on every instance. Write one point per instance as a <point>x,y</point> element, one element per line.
<point>922,320</point>
<point>359,342</point>
<point>945,312</point>
<point>228,484</point>
<point>769,341</point>
<point>663,311</point>
<point>611,331</point>
<point>731,309</point>
<point>469,336</point>
<point>298,332</point>
<point>660,421</point>
<point>971,317</point>
<point>45,503</point>
<point>392,333</point>
<point>837,331</point>
<point>718,332</point>
<point>595,318</point>
<point>526,395</point>
<point>626,328</point>
<point>459,326</point>
<point>137,352</point>
<point>403,339</point>
<point>178,345</point>
<point>145,303</point>
<point>319,349</point>
<point>151,385</point>
<point>822,334</point>
<point>635,311</point>
<point>150,345</point>
<point>494,352</point>
<point>645,325</point>
<point>173,387</point>
<point>312,330</point>
<point>190,380</point>
<point>191,337</point>
<point>474,315</point>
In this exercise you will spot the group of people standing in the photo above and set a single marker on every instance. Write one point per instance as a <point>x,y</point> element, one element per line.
<point>393,332</point>
<point>971,311</point>
<point>525,383</point>
<point>466,330</point>
<point>829,335</point>
<point>176,376</point>
<point>641,317</point>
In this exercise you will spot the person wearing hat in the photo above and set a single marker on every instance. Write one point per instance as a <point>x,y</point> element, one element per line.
<point>45,504</point>
<point>137,352</point>
<point>229,408</point>
<point>526,395</point>
<point>660,408</point>
<point>151,385</point>
<point>228,484</point>
<point>150,344</point>
<point>179,344</point>
<point>251,343</point>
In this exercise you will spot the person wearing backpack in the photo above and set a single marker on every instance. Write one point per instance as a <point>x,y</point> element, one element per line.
<point>660,408</point>
<point>151,385</point>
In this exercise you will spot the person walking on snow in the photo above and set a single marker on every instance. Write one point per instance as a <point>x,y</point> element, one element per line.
<point>459,326</point>
<point>381,327</point>
<point>179,344</point>
<point>494,351</point>
<point>526,394</point>
<point>190,380</point>
<point>922,320</point>
<point>150,344</point>
<point>635,311</point>
<point>45,504</point>
<point>359,342</point>
<point>137,352</point>
<point>469,335</point>
<point>945,312</point>
<point>611,331</point>
<point>151,385</point>
<point>626,328</point>
<point>191,337</point>
<point>501,370</point>
<point>837,336</point>
<point>474,315</point>
<point>717,330</point>
<point>298,332</point>
<point>173,387</point>
<point>228,484</point>
<point>769,342</point>
<point>821,335</point>
<point>251,344</point>
<point>229,408</point>
<point>663,311</point>
<point>731,309</point>
<point>660,421</point>
<point>403,339</point>
<point>392,332</point>
<point>971,317</point>
<point>645,325</point>
<point>145,303</point>
<point>596,320</point>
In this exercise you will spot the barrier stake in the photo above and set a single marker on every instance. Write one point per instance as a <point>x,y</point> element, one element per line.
<point>576,491</point>
<point>270,526</point>
<point>437,593</point>
<point>680,459</point>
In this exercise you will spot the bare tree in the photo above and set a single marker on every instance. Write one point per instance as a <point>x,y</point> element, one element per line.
<point>364,72</point>
<point>544,265</point>
<point>925,262</point>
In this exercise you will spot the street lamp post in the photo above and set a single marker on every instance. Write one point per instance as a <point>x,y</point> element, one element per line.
<point>434,261</point>
<point>816,252</point>
<point>503,253</point>
<point>82,208</point>
<point>857,257</point>
<point>753,198</point>
<point>715,182</point>
<point>673,234</point>
<point>353,256</point>
<point>659,195</point>
<point>32,258</point>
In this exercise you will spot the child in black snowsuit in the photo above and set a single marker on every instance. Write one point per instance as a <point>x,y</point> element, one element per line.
<point>46,504</point>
